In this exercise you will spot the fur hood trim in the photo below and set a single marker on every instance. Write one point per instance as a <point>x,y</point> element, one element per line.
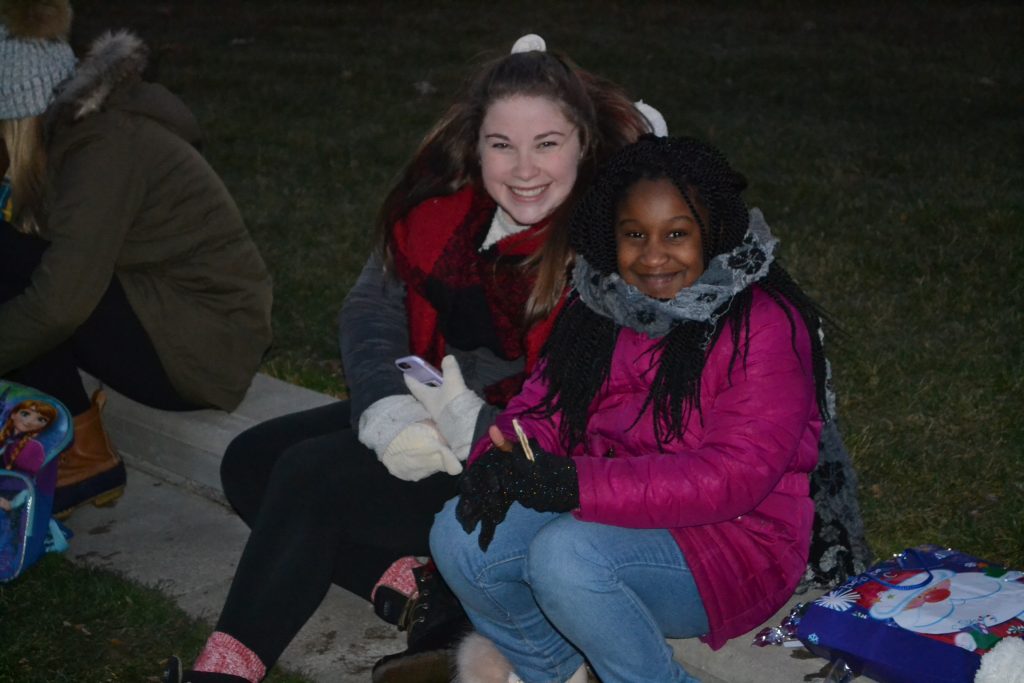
<point>479,661</point>
<point>114,58</point>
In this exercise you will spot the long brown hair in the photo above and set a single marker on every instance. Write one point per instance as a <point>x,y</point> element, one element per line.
<point>447,157</point>
<point>26,156</point>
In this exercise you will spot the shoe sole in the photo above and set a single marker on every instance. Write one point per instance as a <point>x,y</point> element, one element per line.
<point>424,667</point>
<point>103,500</point>
<point>100,490</point>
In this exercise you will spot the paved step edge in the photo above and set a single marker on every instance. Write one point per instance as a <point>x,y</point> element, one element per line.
<point>198,440</point>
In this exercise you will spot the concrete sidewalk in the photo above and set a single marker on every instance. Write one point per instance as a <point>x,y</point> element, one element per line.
<point>163,535</point>
<point>172,531</point>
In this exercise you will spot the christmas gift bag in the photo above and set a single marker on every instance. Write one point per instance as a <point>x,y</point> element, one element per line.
<point>34,429</point>
<point>925,616</point>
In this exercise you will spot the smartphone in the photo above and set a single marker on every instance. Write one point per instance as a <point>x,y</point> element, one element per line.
<point>420,370</point>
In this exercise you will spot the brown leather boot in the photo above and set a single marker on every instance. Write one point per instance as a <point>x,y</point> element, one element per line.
<point>89,471</point>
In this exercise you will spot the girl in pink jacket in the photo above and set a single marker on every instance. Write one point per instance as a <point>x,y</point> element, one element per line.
<point>672,425</point>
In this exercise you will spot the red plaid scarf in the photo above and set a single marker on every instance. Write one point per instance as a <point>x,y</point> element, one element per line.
<point>459,294</point>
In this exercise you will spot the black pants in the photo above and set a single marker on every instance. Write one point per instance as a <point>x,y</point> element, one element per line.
<point>322,509</point>
<point>110,345</point>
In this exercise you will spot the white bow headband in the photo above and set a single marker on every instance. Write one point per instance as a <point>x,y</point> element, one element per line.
<point>531,42</point>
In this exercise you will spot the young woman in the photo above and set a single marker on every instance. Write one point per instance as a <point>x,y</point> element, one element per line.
<point>473,259</point>
<point>134,266</point>
<point>673,422</point>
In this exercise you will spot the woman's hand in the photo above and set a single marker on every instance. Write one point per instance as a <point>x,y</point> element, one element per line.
<point>452,406</point>
<point>417,452</point>
<point>405,439</point>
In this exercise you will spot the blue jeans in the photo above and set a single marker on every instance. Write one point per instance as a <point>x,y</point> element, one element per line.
<point>551,590</point>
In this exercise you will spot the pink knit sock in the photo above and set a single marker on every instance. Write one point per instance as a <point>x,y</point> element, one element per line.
<point>225,655</point>
<point>399,577</point>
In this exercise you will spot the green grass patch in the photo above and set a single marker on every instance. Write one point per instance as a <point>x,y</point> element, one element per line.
<point>62,623</point>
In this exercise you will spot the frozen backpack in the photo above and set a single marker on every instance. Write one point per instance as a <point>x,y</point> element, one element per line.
<point>6,207</point>
<point>34,429</point>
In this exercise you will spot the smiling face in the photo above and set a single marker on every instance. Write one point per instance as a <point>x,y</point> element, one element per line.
<point>658,239</point>
<point>28,421</point>
<point>529,152</point>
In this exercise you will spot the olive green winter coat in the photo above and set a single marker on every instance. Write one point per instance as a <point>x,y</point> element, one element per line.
<point>129,194</point>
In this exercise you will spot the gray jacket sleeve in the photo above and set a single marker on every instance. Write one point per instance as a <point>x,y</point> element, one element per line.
<point>373,330</point>
<point>484,419</point>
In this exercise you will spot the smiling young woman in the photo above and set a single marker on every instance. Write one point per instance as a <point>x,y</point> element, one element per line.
<point>472,260</point>
<point>529,154</point>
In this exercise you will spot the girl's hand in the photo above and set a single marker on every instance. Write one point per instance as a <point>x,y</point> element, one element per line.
<point>499,440</point>
<point>484,495</point>
<point>504,475</point>
<point>485,499</point>
<point>548,483</point>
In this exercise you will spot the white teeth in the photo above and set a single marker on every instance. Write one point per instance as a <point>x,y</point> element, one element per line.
<point>526,193</point>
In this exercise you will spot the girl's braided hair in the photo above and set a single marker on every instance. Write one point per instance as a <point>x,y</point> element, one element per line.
<point>579,351</point>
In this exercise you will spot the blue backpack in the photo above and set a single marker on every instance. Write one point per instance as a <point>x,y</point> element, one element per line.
<point>34,429</point>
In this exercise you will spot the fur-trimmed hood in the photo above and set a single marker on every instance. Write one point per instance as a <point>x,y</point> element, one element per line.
<point>110,77</point>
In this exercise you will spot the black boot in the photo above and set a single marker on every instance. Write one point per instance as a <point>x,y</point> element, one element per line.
<point>175,674</point>
<point>435,623</point>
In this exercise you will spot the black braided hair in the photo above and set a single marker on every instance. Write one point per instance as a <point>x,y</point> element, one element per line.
<point>578,353</point>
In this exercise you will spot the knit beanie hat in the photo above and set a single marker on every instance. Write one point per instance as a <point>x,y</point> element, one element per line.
<point>34,54</point>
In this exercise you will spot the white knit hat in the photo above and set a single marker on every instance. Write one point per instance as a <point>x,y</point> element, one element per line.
<point>31,66</point>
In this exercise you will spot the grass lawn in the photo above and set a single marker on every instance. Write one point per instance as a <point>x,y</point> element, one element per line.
<point>882,140</point>
<point>61,623</point>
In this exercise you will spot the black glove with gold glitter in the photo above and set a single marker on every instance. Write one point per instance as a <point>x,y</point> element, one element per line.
<point>547,483</point>
<point>484,495</point>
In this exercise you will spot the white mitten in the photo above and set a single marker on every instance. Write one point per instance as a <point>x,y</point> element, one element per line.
<point>453,406</point>
<point>381,422</point>
<point>418,452</point>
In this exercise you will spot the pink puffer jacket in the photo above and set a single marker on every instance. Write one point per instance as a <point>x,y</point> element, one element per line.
<point>734,491</point>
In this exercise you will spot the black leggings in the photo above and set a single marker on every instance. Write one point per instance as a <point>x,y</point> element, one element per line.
<point>322,509</point>
<point>110,345</point>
